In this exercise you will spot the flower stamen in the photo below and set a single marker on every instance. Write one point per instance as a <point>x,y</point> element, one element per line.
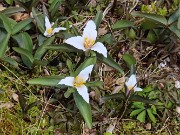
<point>78,81</point>
<point>49,31</point>
<point>130,87</point>
<point>88,43</point>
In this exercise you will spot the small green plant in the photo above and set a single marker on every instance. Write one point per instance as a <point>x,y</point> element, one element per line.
<point>141,111</point>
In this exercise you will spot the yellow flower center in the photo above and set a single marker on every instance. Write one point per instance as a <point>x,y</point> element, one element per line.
<point>130,87</point>
<point>78,81</point>
<point>49,31</point>
<point>88,43</point>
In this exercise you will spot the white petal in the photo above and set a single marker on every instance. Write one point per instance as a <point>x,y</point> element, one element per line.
<point>58,29</point>
<point>90,25</point>
<point>46,34</point>
<point>132,81</point>
<point>85,72</point>
<point>137,89</point>
<point>47,23</point>
<point>67,81</point>
<point>100,48</point>
<point>77,42</point>
<point>90,30</point>
<point>83,91</point>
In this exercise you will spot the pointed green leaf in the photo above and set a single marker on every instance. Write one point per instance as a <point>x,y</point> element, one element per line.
<point>75,31</point>
<point>148,25</point>
<point>34,3</point>
<point>84,109</point>
<point>12,10</point>
<point>62,47</point>
<point>39,17</point>
<point>47,81</point>
<point>98,19</point>
<point>129,59</point>
<point>154,17</point>
<point>6,23</point>
<point>108,38</point>
<point>110,62</point>
<point>70,67</point>
<point>20,25</point>
<point>10,61</point>
<point>122,24</point>
<point>175,30</point>
<point>24,41</point>
<point>10,2</point>
<point>89,61</point>
<point>136,112</point>
<point>141,117</point>
<point>40,62</point>
<point>174,17</point>
<point>41,50</point>
<point>153,109</point>
<point>69,92</point>
<point>151,115</point>
<point>24,52</point>
<point>3,45</point>
<point>33,104</point>
<point>55,6</point>
<point>138,105</point>
<point>95,84</point>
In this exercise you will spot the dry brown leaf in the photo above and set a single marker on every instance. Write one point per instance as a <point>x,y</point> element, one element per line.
<point>120,81</point>
<point>93,3</point>
<point>117,89</point>
<point>20,16</point>
<point>15,97</point>
<point>101,31</point>
<point>7,105</point>
<point>2,8</point>
<point>148,126</point>
<point>111,126</point>
<point>107,68</point>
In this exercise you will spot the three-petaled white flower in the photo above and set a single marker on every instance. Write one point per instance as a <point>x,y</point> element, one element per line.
<point>132,84</point>
<point>79,81</point>
<point>87,40</point>
<point>49,28</point>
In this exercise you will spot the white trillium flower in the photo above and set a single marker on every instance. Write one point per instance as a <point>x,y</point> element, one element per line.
<point>132,83</point>
<point>79,81</point>
<point>87,40</point>
<point>49,28</point>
